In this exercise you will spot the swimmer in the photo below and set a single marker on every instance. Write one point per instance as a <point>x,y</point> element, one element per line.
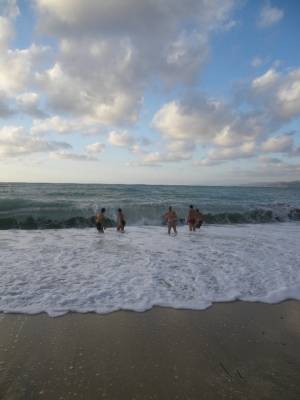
<point>100,220</point>
<point>120,221</point>
<point>171,218</point>
<point>191,219</point>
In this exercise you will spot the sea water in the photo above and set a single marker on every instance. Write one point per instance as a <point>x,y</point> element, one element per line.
<point>72,205</point>
<point>77,269</point>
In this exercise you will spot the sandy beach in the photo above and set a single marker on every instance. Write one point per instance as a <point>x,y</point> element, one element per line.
<point>229,351</point>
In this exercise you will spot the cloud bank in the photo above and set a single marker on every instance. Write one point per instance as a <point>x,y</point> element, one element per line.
<point>103,58</point>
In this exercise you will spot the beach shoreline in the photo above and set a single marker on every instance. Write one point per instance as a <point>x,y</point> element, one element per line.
<point>235,350</point>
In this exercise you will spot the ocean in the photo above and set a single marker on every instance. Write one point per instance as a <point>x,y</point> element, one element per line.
<point>35,205</point>
<point>53,260</point>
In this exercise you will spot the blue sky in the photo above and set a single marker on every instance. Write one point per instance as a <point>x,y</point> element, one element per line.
<point>166,92</point>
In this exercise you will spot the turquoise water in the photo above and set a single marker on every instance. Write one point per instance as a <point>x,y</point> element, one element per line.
<point>73,205</point>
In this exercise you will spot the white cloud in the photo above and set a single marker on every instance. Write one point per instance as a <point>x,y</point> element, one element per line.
<point>6,32</point>
<point>28,103</point>
<point>121,139</point>
<point>95,148</point>
<point>9,8</point>
<point>57,124</point>
<point>278,144</point>
<point>243,127</point>
<point>288,95</point>
<point>257,62</point>
<point>181,146</point>
<point>5,109</point>
<point>109,53</point>
<point>156,158</point>
<point>269,160</point>
<point>277,94</point>
<point>199,119</point>
<point>185,57</point>
<point>273,170</point>
<point>175,151</point>
<point>246,150</point>
<point>83,85</point>
<point>230,133</point>
<point>269,16</point>
<point>17,66</point>
<point>268,79</point>
<point>159,18</point>
<point>208,121</point>
<point>67,155</point>
<point>15,141</point>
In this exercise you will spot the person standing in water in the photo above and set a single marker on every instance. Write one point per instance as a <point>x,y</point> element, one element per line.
<point>199,218</point>
<point>171,218</point>
<point>100,220</point>
<point>120,221</point>
<point>191,219</point>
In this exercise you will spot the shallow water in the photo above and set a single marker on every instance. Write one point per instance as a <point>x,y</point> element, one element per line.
<point>57,271</point>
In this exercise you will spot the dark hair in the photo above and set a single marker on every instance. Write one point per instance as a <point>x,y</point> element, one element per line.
<point>103,210</point>
<point>120,209</point>
<point>191,206</point>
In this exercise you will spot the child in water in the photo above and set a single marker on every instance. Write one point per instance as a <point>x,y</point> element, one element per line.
<point>120,221</point>
<point>100,220</point>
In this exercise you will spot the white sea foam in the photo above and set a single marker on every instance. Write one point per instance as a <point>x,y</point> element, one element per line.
<point>57,271</point>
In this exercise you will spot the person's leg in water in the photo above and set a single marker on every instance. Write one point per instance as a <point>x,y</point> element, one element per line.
<point>123,226</point>
<point>99,227</point>
<point>174,228</point>
<point>169,228</point>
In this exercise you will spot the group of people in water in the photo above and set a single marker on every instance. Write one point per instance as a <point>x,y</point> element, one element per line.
<point>100,220</point>
<point>194,220</point>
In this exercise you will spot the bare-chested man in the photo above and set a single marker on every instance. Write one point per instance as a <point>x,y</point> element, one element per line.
<point>100,220</point>
<point>120,221</point>
<point>171,218</point>
<point>191,219</point>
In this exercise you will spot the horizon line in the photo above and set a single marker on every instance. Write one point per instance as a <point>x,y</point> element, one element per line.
<point>153,184</point>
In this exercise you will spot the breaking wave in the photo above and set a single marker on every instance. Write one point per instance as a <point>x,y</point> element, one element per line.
<point>140,216</point>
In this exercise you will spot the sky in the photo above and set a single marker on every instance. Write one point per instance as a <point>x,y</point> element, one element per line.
<point>153,91</point>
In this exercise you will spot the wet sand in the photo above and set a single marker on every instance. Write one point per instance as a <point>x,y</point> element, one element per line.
<point>230,351</point>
